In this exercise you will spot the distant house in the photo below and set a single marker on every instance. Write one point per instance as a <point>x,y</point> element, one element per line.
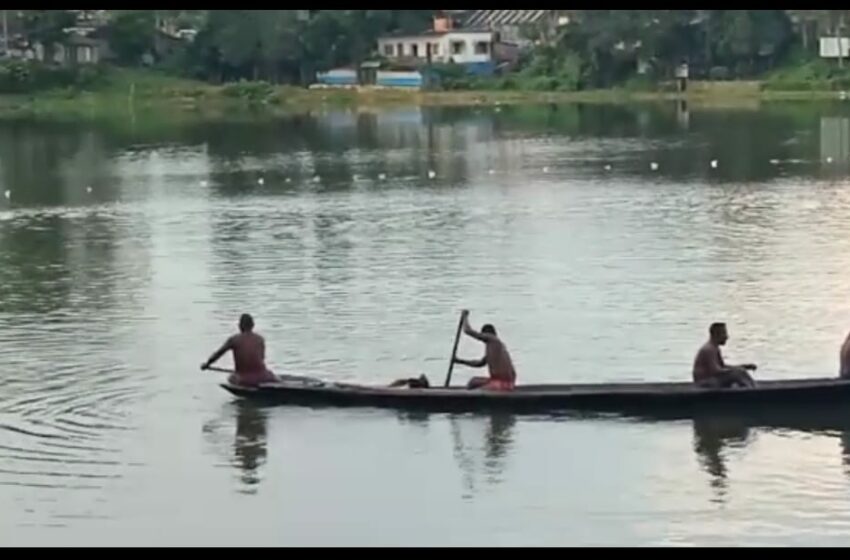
<point>444,43</point>
<point>830,47</point>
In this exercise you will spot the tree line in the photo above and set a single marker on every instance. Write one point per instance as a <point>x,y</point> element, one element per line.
<point>594,48</point>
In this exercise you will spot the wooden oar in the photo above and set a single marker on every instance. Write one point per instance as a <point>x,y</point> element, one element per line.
<point>282,377</point>
<point>222,370</point>
<point>454,352</point>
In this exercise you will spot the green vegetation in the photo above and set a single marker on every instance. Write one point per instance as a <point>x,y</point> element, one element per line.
<point>262,59</point>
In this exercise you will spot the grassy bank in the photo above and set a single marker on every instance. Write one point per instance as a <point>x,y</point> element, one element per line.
<point>134,91</point>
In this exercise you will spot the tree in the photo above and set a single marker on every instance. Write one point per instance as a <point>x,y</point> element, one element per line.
<point>47,27</point>
<point>131,34</point>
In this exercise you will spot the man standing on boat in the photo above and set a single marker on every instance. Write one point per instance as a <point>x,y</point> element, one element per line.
<point>249,355</point>
<point>844,372</point>
<point>496,358</point>
<point>709,368</point>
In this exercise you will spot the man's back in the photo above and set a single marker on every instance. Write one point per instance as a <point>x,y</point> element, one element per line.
<point>708,362</point>
<point>845,358</point>
<point>249,353</point>
<point>499,360</point>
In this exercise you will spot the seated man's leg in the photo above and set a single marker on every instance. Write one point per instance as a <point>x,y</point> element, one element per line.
<point>477,382</point>
<point>743,377</point>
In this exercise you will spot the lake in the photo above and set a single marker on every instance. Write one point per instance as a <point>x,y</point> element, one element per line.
<point>600,240</point>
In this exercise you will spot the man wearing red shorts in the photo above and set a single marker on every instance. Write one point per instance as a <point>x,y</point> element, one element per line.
<point>496,358</point>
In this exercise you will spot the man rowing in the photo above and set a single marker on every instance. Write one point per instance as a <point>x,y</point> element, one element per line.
<point>496,358</point>
<point>709,369</point>
<point>249,355</point>
<point>844,357</point>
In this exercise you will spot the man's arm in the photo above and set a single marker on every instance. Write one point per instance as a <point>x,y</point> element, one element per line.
<point>716,365</point>
<point>472,363</point>
<point>483,337</point>
<point>228,344</point>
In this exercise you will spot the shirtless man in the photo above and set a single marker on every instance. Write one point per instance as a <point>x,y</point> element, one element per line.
<point>249,355</point>
<point>709,368</point>
<point>844,370</point>
<point>496,358</point>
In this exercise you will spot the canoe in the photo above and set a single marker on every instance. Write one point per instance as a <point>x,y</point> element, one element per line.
<point>630,398</point>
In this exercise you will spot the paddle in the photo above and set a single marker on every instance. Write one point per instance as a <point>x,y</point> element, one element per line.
<point>454,352</point>
<point>282,377</point>
<point>222,370</point>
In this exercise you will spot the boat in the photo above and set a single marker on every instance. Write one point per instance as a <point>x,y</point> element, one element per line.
<point>675,398</point>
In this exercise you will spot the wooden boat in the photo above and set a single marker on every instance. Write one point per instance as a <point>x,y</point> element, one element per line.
<point>629,398</point>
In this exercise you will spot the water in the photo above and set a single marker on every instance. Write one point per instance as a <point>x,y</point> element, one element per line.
<point>128,249</point>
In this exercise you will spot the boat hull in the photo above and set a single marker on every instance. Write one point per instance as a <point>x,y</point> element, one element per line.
<point>634,398</point>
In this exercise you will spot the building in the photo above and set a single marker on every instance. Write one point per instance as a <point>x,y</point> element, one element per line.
<point>444,43</point>
<point>511,26</point>
<point>461,46</point>
<point>832,47</point>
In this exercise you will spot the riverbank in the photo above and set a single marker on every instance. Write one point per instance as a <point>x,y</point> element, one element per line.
<point>132,91</point>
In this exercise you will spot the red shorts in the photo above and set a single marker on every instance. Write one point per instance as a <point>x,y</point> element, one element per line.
<point>499,385</point>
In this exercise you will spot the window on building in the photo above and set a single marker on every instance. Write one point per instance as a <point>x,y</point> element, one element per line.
<point>400,49</point>
<point>435,49</point>
<point>482,47</point>
<point>414,50</point>
<point>388,50</point>
<point>458,47</point>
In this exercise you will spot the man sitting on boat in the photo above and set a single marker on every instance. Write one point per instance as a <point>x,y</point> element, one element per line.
<point>249,355</point>
<point>496,358</point>
<point>710,370</point>
<point>844,370</point>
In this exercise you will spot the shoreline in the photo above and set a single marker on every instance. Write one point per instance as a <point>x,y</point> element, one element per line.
<point>138,92</point>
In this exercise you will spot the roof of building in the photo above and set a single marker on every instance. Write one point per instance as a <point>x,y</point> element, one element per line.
<point>491,18</point>
<point>432,33</point>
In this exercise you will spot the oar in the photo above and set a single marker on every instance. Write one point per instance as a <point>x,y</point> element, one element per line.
<point>454,352</point>
<point>222,370</point>
<point>282,377</point>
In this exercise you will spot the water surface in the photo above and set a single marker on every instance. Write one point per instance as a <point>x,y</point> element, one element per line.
<point>128,250</point>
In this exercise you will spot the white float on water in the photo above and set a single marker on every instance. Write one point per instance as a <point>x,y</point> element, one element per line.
<point>88,189</point>
<point>653,166</point>
<point>203,183</point>
<point>607,167</point>
<point>287,180</point>
<point>713,164</point>
<point>829,159</point>
<point>316,178</point>
<point>432,174</point>
<point>7,194</point>
<point>545,170</point>
<point>491,171</point>
<point>260,181</point>
<point>382,176</point>
<point>774,161</point>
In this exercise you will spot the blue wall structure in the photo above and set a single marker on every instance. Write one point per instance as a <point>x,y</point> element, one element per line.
<point>338,77</point>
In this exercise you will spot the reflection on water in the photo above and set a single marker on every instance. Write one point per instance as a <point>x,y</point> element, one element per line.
<point>249,445</point>
<point>129,248</point>
<point>712,436</point>
<point>495,449</point>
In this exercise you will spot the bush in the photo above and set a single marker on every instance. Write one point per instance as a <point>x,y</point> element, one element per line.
<point>19,76</point>
<point>253,92</point>
<point>639,83</point>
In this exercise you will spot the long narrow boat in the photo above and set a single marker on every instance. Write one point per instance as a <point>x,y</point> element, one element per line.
<point>631,398</point>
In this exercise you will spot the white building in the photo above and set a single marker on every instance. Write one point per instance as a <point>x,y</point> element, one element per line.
<point>829,47</point>
<point>462,46</point>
